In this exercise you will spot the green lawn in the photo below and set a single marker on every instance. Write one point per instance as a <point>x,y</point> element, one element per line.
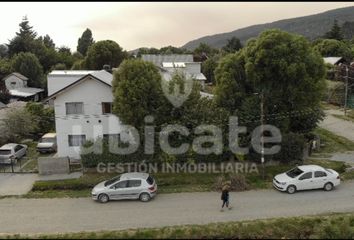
<point>333,143</point>
<point>334,226</point>
<point>171,182</point>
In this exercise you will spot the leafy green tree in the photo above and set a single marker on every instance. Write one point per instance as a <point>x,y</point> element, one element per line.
<point>65,57</point>
<point>43,117</point>
<point>231,84</point>
<point>3,51</point>
<point>84,42</point>
<point>208,68</point>
<point>18,124</point>
<point>204,51</point>
<point>5,67</point>
<point>137,92</point>
<point>47,41</point>
<point>335,32</point>
<point>28,65</point>
<point>334,48</point>
<point>24,39</point>
<point>290,74</point>
<point>4,93</point>
<point>233,45</point>
<point>104,53</point>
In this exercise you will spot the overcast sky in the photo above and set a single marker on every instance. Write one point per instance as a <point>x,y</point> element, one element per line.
<point>134,25</point>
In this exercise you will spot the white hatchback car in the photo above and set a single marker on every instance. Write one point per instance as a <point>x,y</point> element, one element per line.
<point>306,177</point>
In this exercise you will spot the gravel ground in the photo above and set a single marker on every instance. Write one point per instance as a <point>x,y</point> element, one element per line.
<point>338,126</point>
<point>35,216</point>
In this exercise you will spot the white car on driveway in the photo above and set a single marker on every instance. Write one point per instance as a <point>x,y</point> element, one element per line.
<point>11,152</point>
<point>306,177</point>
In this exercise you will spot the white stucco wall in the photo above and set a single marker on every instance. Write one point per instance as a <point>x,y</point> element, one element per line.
<point>92,123</point>
<point>19,83</point>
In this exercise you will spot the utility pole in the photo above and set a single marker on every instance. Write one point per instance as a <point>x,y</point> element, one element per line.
<point>262,137</point>
<point>346,90</point>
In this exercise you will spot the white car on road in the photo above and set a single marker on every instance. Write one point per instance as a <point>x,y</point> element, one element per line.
<point>306,177</point>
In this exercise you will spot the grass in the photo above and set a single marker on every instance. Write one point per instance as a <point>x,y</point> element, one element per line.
<point>333,226</point>
<point>333,143</point>
<point>171,182</point>
<point>343,117</point>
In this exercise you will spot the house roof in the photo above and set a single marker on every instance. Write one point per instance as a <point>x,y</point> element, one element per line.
<point>19,75</point>
<point>158,59</point>
<point>25,92</point>
<point>332,60</point>
<point>88,76</point>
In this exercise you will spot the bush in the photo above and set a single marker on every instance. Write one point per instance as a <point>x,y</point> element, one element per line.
<point>90,159</point>
<point>236,182</point>
<point>292,148</point>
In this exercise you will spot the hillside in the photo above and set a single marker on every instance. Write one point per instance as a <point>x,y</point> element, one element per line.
<point>311,26</point>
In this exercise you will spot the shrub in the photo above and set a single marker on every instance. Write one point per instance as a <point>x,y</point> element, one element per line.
<point>236,182</point>
<point>292,148</point>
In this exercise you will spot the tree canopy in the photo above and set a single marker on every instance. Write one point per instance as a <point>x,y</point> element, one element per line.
<point>102,53</point>
<point>28,65</point>
<point>84,42</point>
<point>233,45</point>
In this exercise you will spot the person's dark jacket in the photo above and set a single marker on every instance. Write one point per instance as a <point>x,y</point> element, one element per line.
<point>225,195</point>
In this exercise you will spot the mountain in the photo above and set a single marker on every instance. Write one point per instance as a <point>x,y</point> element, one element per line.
<point>311,26</point>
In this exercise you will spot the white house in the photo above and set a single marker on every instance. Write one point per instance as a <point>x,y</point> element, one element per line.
<point>83,109</point>
<point>180,62</point>
<point>16,84</point>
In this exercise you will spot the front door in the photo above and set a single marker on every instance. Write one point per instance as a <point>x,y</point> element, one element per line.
<point>117,191</point>
<point>305,181</point>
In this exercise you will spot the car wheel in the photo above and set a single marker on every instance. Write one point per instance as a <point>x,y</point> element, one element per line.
<point>328,187</point>
<point>291,189</point>
<point>103,198</point>
<point>144,197</point>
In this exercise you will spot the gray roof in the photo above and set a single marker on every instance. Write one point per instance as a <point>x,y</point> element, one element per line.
<point>25,92</point>
<point>103,75</point>
<point>19,75</point>
<point>332,60</point>
<point>158,59</point>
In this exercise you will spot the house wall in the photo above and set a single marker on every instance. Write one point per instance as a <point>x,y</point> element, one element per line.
<point>92,123</point>
<point>19,83</point>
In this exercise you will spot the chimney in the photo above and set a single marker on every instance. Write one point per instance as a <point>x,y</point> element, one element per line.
<point>107,67</point>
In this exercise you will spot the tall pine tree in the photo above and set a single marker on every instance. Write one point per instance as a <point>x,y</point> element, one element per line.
<point>335,32</point>
<point>85,42</point>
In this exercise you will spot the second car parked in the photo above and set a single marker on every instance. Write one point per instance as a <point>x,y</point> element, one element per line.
<point>306,177</point>
<point>11,152</point>
<point>126,186</point>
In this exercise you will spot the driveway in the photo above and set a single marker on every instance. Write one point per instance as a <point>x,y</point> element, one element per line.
<point>338,126</point>
<point>82,214</point>
<point>16,184</point>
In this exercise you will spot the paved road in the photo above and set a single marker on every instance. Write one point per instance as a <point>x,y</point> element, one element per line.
<point>35,216</point>
<point>338,126</point>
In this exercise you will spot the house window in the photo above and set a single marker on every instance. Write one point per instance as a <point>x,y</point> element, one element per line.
<point>106,107</point>
<point>74,108</point>
<point>76,140</point>
<point>111,137</point>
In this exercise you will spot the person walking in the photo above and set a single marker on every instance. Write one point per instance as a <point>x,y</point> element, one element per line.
<point>225,197</point>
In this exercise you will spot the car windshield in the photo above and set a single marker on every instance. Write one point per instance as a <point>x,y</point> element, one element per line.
<point>5,152</point>
<point>294,172</point>
<point>47,140</point>
<point>111,181</point>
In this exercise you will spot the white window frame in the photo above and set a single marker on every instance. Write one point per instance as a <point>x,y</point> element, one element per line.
<point>75,107</point>
<point>79,141</point>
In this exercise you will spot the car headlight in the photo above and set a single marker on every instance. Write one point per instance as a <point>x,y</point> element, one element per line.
<point>283,183</point>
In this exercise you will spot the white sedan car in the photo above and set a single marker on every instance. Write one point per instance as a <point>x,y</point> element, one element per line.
<point>306,177</point>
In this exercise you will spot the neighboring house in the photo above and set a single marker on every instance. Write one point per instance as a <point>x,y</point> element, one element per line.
<point>16,84</point>
<point>334,60</point>
<point>168,64</point>
<point>83,109</point>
